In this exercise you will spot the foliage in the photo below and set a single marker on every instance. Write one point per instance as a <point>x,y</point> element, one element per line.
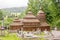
<point>34,5</point>
<point>7,21</point>
<point>1,14</point>
<point>9,37</point>
<point>0,22</point>
<point>58,24</point>
<point>22,14</point>
<point>49,7</point>
<point>51,10</point>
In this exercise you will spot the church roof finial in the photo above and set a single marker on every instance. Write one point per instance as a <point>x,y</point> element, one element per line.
<point>40,8</point>
<point>40,11</point>
<point>29,11</point>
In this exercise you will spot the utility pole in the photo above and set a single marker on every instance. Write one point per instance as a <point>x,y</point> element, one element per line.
<point>2,27</point>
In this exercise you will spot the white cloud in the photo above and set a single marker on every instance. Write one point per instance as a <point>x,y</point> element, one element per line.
<point>13,3</point>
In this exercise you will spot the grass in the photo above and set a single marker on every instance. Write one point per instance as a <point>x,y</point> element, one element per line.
<point>11,36</point>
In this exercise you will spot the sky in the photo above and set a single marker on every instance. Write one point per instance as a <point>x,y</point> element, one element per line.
<point>13,3</point>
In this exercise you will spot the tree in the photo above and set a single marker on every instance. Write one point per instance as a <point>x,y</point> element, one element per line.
<point>34,5</point>
<point>49,8</point>
<point>51,11</point>
<point>1,14</point>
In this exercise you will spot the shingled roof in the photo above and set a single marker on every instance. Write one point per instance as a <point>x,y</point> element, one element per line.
<point>41,16</point>
<point>29,15</point>
<point>16,22</point>
<point>41,11</point>
<point>30,18</point>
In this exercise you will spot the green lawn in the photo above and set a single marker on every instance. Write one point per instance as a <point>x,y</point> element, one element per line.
<point>11,36</point>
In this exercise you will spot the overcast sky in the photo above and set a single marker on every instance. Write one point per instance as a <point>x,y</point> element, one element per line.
<point>13,3</point>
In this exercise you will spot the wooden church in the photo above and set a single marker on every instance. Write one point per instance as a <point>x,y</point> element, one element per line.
<point>42,18</point>
<point>31,22</point>
<point>16,24</point>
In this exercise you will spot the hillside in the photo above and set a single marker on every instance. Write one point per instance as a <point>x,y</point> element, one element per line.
<point>15,9</point>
